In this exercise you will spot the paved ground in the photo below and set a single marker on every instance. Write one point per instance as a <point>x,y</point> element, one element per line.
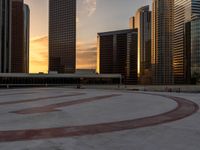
<point>89,119</point>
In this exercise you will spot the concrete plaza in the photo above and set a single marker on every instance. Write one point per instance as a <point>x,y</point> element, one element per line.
<point>98,119</point>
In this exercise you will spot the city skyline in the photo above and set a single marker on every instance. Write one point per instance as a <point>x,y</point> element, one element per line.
<point>99,74</point>
<point>93,14</point>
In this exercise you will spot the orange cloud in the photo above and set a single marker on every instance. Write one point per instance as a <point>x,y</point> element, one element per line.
<point>86,60</point>
<point>41,40</point>
<point>86,55</point>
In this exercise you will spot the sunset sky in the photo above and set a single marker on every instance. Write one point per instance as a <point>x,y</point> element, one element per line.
<point>93,16</point>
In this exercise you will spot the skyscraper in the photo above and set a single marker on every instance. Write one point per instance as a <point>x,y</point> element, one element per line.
<point>17,43</point>
<point>62,36</point>
<point>5,36</point>
<point>195,47</point>
<point>184,12</point>
<point>26,36</point>
<point>162,41</point>
<point>143,24</point>
<point>117,54</point>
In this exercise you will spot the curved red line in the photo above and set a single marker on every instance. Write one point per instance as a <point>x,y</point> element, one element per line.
<point>39,99</point>
<point>54,107</point>
<point>184,109</point>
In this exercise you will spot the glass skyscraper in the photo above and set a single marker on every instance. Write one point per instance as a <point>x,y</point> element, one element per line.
<point>143,24</point>
<point>62,36</point>
<point>162,41</point>
<point>184,12</point>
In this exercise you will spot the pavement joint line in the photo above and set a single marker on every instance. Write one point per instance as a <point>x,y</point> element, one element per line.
<point>22,93</point>
<point>40,99</point>
<point>184,109</point>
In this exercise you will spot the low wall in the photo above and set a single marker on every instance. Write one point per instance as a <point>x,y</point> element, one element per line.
<point>167,88</point>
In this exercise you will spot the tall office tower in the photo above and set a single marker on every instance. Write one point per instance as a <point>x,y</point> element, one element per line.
<point>132,23</point>
<point>17,43</point>
<point>5,36</point>
<point>162,41</point>
<point>143,24</point>
<point>62,36</point>
<point>117,54</point>
<point>195,47</point>
<point>184,11</point>
<point>26,37</point>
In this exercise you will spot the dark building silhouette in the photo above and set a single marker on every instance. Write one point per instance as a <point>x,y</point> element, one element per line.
<point>117,54</point>
<point>62,36</point>
<point>26,37</point>
<point>132,22</point>
<point>5,36</point>
<point>195,48</point>
<point>187,53</point>
<point>17,34</point>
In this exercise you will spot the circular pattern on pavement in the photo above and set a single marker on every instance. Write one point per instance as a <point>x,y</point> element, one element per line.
<point>184,109</point>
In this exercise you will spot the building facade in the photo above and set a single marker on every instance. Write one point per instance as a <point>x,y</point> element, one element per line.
<point>162,41</point>
<point>5,36</point>
<point>62,36</point>
<point>184,11</point>
<point>117,54</point>
<point>143,24</point>
<point>26,37</point>
<point>17,42</point>
<point>195,47</point>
